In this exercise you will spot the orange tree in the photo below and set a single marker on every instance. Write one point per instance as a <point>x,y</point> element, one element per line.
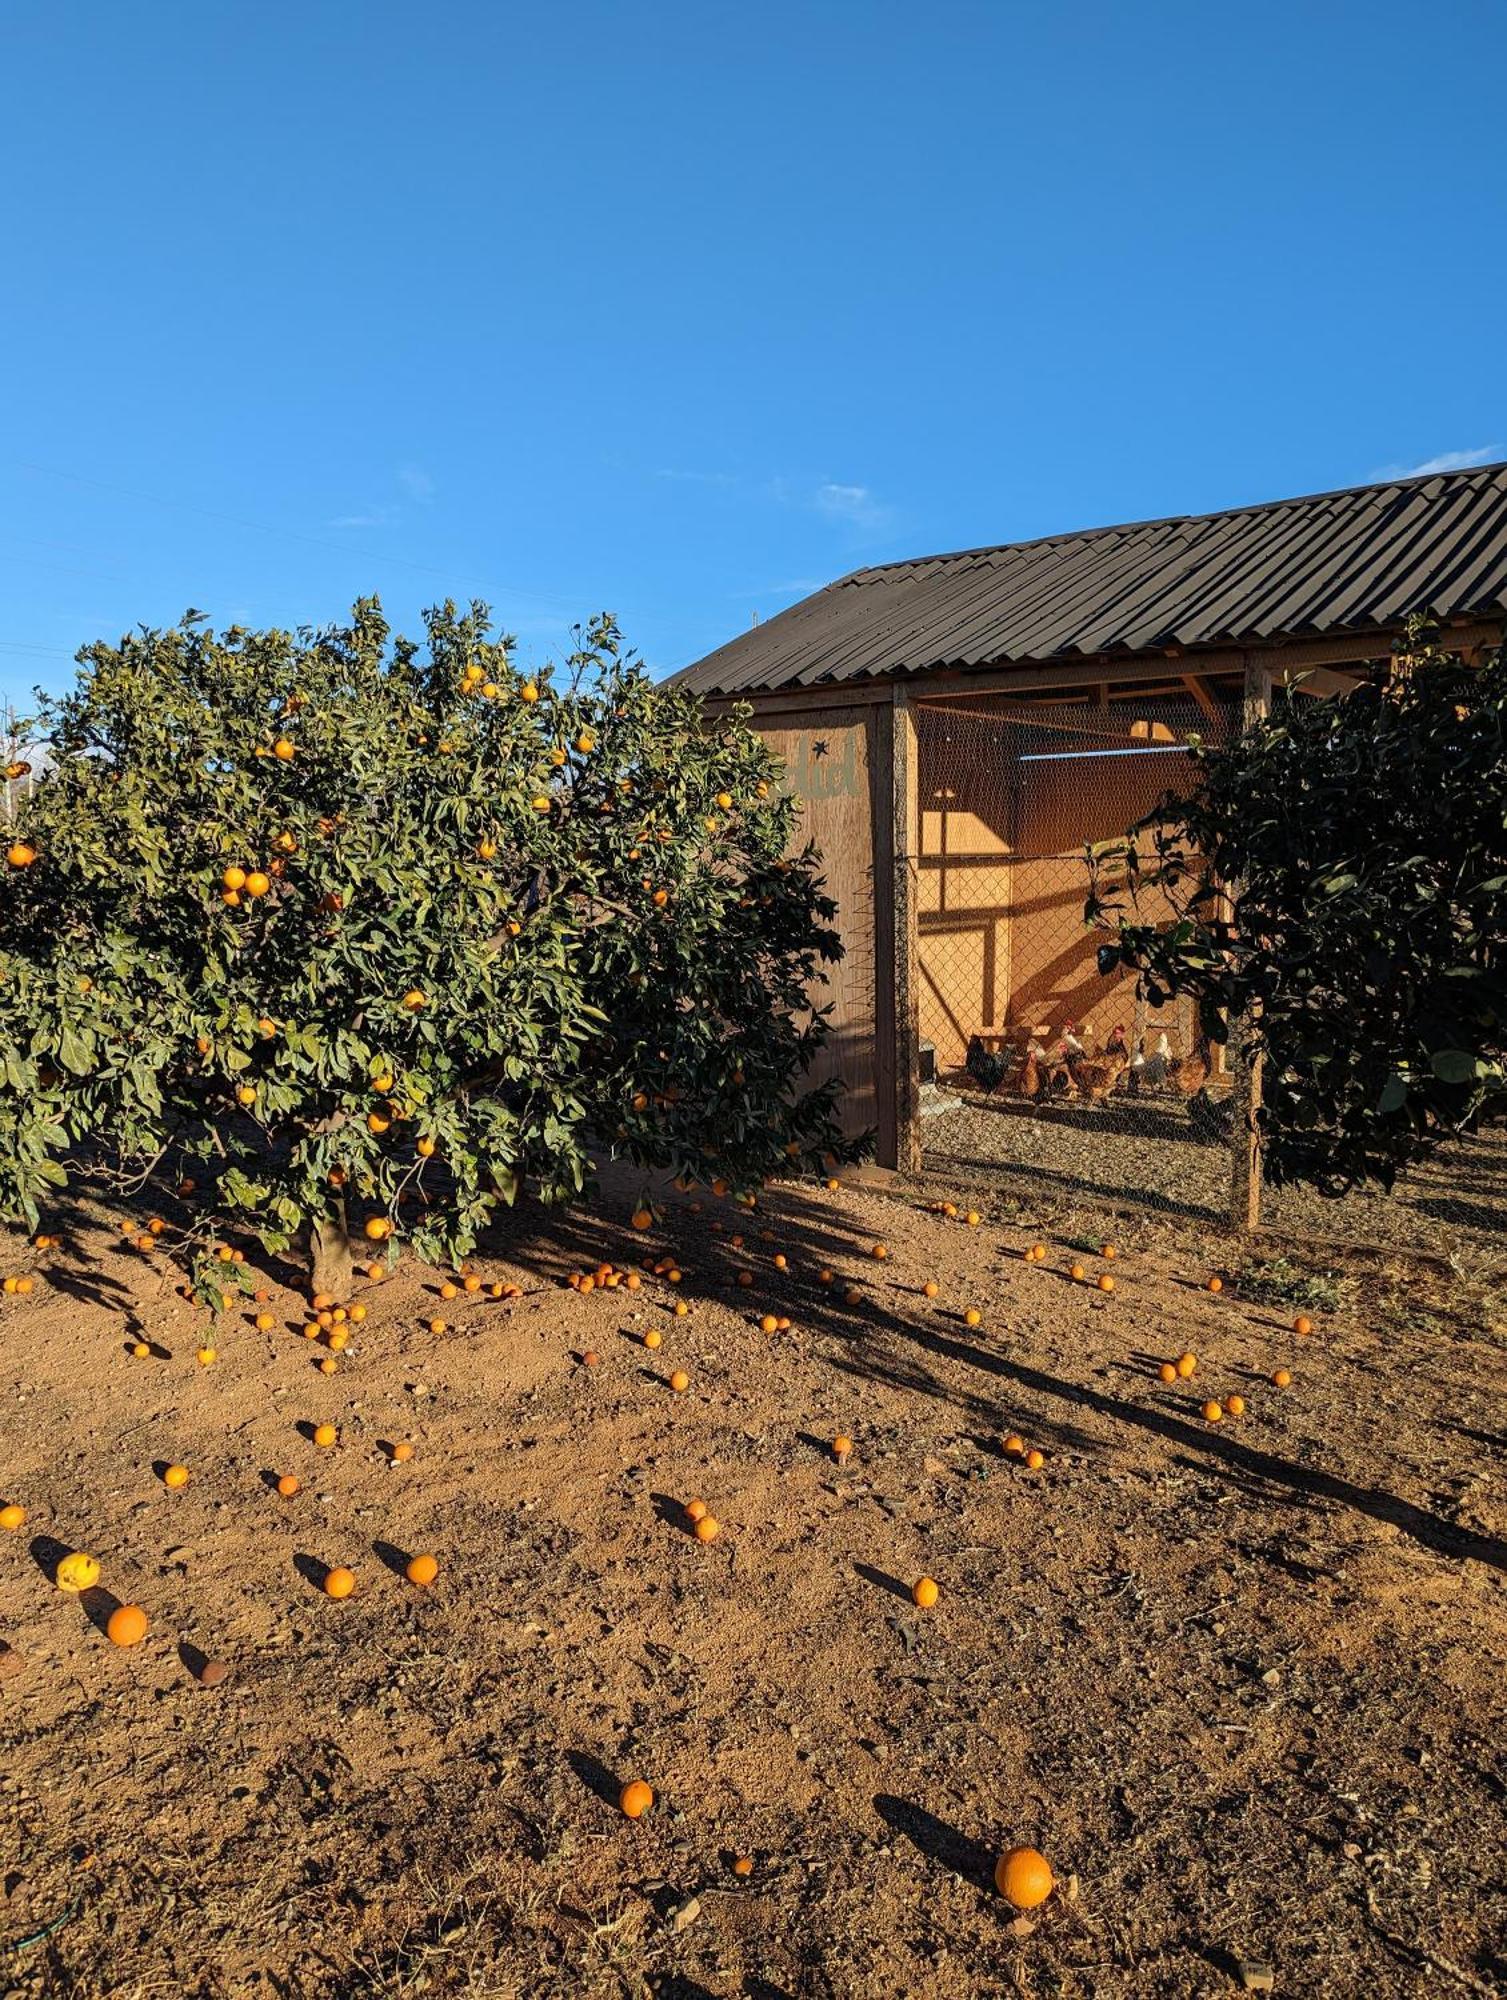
<point>352,936</point>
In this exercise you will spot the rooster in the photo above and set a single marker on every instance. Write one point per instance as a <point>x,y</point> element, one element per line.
<point>1209,1116</point>
<point>1096,1076</point>
<point>986,1066</point>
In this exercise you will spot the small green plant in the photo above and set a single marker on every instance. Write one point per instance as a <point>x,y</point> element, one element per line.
<point>1276,1281</point>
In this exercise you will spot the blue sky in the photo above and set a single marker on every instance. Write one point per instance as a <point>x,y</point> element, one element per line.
<point>683,310</point>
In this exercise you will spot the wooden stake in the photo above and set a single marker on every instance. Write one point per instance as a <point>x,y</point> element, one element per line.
<point>1245,1096</point>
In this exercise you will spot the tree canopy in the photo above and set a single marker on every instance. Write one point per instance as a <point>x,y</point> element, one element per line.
<point>1340,873</point>
<point>308,919</point>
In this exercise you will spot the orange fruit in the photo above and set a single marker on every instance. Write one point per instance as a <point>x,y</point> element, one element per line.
<point>282,750</point>
<point>422,1570</point>
<point>175,1476</point>
<point>1038,1253</point>
<point>436,1326</point>
<point>696,1510</point>
<point>1216,1284</point>
<point>77,1571</point>
<point>288,1485</point>
<point>339,1582</point>
<point>264,1322</point>
<point>1302,1325</point>
<point>924,1592</point>
<point>1108,1250</point>
<point>1235,1405</point>
<point>258,883</point>
<point>643,1218</point>
<point>1281,1378</point>
<point>1213,1413</point>
<point>591,1359</point>
<point>378,1228</point>
<point>20,854</point>
<point>1168,1372</point>
<point>471,1282</point>
<point>852,1296</point>
<point>402,1452</point>
<point>825,1277</point>
<point>358,1313</point>
<point>769,1324</point>
<point>1035,1460</point>
<point>708,1528</point>
<point>449,1291</point>
<point>126,1626</point>
<point>1077,1273</point>
<point>841,1446</point>
<point>12,1517</point>
<point>971,1218</point>
<point>653,1338</point>
<point>680,1381</point>
<point>635,1799</point>
<point>140,1349</point>
<point>973,1317</point>
<point>930,1289</point>
<point>745,1279</point>
<point>1186,1363</point>
<point>743,1865</point>
<point>328,1364</point>
<point>879,1250</point>
<point>325,1434</point>
<point>1014,1445</point>
<point>681,1309</point>
<point>1106,1283</point>
<point>1024,1877</point>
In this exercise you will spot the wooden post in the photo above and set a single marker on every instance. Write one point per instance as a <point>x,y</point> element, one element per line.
<point>1245,1095</point>
<point>905,838</point>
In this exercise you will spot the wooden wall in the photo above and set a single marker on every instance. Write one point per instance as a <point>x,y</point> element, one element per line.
<point>1001,882</point>
<point>837,762</point>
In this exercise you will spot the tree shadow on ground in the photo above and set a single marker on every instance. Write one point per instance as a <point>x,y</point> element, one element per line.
<point>880,1339</point>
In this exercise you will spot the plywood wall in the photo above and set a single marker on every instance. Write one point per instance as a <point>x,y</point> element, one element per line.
<point>834,764</point>
<point>1002,942</point>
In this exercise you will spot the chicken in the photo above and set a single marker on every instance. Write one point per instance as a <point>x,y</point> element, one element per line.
<point>1028,1080</point>
<point>1154,1068</point>
<point>1190,1073</point>
<point>1096,1076</point>
<point>987,1067</point>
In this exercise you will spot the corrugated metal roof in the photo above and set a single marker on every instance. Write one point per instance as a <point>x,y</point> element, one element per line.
<point>1354,561</point>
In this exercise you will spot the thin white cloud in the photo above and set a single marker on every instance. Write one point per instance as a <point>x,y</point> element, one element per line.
<point>1447,461</point>
<point>417,483</point>
<point>689,476</point>
<point>855,506</point>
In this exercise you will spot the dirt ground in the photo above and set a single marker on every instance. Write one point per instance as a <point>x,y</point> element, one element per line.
<point>1242,1683</point>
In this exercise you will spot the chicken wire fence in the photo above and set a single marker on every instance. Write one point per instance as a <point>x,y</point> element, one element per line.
<point>1042,1077</point>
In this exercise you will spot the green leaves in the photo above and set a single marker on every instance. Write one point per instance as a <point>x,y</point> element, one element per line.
<point>211,921</point>
<point>1362,844</point>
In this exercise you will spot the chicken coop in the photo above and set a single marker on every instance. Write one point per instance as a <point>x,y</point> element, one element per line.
<point>961,728</point>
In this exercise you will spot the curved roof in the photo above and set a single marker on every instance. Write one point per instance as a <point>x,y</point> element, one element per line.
<point>1359,560</point>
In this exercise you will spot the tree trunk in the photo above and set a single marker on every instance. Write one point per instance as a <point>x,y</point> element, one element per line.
<point>330,1253</point>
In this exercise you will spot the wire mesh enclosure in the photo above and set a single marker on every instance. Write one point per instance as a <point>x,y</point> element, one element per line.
<point>1039,1075</point>
<point>1041,1070</point>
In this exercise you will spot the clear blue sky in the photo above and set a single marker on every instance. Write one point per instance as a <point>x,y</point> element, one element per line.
<point>684,309</point>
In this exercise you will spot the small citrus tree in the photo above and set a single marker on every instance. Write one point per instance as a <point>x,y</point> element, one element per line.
<point>351,936</point>
<point>1341,872</point>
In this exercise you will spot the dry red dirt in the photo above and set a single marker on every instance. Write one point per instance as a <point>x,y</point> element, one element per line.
<point>1242,1683</point>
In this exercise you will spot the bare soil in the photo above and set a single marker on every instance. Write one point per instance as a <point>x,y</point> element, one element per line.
<point>1243,1683</point>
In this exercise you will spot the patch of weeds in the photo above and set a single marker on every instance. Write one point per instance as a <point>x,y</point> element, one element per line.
<point>1277,1281</point>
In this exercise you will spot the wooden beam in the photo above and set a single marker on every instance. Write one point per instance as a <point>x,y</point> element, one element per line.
<point>1245,1096</point>
<point>1198,687</point>
<point>1321,681</point>
<point>905,844</point>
